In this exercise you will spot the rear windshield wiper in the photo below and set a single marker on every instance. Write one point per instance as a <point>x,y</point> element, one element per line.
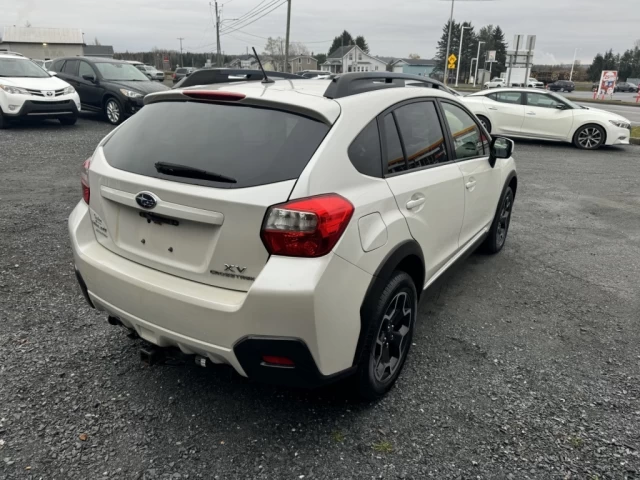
<point>191,172</point>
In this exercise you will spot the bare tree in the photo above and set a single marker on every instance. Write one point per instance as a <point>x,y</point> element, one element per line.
<point>27,24</point>
<point>275,50</point>
<point>637,43</point>
<point>96,41</point>
<point>414,56</point>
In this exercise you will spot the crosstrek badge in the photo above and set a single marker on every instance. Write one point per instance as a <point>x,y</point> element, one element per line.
<point>98,225</point>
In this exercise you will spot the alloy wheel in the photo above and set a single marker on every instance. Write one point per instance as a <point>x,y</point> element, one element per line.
<point>590,137</point>
<point>504,220</point>
<point>113,112</point>
<point>393,337</point>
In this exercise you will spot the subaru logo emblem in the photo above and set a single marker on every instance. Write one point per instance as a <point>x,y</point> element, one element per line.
<point>146,200</point>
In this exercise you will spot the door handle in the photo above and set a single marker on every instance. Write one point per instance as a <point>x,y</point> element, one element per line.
<point>470,184</point>
<point>493,108</point>
<point>411,204</point>
<point>531,113</point>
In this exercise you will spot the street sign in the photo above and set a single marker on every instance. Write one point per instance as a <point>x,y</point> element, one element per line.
<point>491,56</point>
<point>607,83</point>
<point>452,61</point>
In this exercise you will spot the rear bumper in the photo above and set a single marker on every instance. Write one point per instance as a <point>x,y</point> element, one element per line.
<point>304,309</point>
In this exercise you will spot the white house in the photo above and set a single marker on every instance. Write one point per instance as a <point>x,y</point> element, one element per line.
<point>352,59</point>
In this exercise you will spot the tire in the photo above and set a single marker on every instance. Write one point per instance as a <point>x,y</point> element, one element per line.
<point>68,120</point>
<point>3,122</point>
<point>500,225</point>
<point>388,339</point>
<point>562,89</point>
<point>485,122</point>
<point>113,111</point>
<point>589,137</point>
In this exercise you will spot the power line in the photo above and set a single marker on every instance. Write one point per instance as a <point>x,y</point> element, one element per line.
<point>252,10</point>
<point>233,28</point>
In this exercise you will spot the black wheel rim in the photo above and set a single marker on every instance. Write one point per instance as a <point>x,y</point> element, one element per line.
<point>392,340</point>
<point>590,137</point>
<point>504,220</point>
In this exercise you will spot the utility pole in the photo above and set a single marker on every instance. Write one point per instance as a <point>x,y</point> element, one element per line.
<point>446,58</point>
<point>575,54</point>
<point>475,77</point>
<point>181,38</point>
<point>286,47</point>
<point>218,35</point>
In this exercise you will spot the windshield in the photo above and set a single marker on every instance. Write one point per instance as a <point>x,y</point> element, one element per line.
<point>21,67</point>
<point>120,71</point>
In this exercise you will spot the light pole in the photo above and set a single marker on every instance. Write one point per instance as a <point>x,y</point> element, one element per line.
<point>475,77</point>
<point>460,54</point>
<point>575,54</point>
<point>446,58</point>
<point>471,69</point>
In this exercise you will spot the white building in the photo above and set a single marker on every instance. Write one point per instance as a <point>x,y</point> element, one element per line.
<point>352,59</point>
<point>43,43</point>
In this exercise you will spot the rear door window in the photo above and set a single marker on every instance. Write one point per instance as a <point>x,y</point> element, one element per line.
<point>507,97</point>
<point>421,134</point>
<point>394,156</point>
<point>71,68</point>
<point>254,146</point>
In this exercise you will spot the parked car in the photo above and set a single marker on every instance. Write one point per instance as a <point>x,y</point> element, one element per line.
<point>496,82</point>
<point>113,87</point>
<point>533,83</point>
<point>27,91</point>
<point>223,253</point>
<point>38,62</point>
<point>151,72</point>
<point>182,72</point>
<point>523,113</point>
<point>625,87</point>
<point>562,86</point>
<point>209,76</point>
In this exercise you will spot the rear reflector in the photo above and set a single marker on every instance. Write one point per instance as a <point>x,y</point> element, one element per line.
<point>309,227</point>
<point>84,180</point>
<point>214,95</point>
<point>279,361</point>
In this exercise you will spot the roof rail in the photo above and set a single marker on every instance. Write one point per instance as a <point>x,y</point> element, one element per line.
<point>207,76</point>
<point>349,84</point>
<point>9,52</point>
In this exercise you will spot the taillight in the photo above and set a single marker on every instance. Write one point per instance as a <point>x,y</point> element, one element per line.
<point>309,227</point>
<point>84,180</point>
<point>174,75</point>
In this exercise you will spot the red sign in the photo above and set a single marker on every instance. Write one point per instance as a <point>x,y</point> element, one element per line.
<point>607,83</point>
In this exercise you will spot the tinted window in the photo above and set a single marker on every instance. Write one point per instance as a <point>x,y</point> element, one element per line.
<point>364,152</point>
<point>119,71</point>
<point>421,134</point>
<point>542,100</point>
<point>181,70</point>
<point>71,67</point>
<point>507,97</point>
<point>394,155</point>
<point>255,146</point>
<point>468,140</point>
<point>56,66</point>
<point>85,69</point>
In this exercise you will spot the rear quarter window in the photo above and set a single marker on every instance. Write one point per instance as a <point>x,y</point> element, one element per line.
<point>364,152</point>
<point>255,146</point>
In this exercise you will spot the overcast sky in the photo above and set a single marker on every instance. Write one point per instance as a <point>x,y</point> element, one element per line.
<point>391,27</point>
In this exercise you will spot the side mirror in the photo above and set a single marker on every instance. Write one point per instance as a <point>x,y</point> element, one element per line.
<point>52,73</point>
<point>500,148</point>
<point>89,78</point>
<point>561,107</point>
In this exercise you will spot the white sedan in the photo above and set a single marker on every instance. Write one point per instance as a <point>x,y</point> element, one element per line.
<point>496,82</point>
<point>535,114</point>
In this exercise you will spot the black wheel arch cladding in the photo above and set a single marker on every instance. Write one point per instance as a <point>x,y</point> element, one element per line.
<point>406,256</point>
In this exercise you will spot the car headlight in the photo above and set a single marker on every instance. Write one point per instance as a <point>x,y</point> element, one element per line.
<point>130,93</point>
<point>14,90</point>
<point>68,90</point>
<point>620,123</point>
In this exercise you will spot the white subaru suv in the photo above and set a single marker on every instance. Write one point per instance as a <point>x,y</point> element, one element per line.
<point>26,90</point>
<point>289,228</point>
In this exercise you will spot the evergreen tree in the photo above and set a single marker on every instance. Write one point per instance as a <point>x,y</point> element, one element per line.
<point>343,39</point>
<point>362,43</point>
<point>500,46</point>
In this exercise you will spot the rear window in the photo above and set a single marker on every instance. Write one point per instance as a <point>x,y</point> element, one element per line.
<point>181,70</point>
<point>254,146</point>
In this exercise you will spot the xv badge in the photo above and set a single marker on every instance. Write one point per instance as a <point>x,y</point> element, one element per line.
<point>234,268</point>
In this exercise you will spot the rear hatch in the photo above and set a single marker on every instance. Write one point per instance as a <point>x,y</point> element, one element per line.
<point>152,203</point>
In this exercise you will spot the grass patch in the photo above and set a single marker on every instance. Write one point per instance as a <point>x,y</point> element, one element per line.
<point>337,437</point>
<point>635,132</point>
<point>382,447</point>
<point>576,442</point>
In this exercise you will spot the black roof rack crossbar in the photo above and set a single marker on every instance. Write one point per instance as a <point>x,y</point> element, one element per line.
<point>349,84</point>
<point>207,76</point>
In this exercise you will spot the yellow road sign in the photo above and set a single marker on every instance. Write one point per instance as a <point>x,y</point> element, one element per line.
<point>452,59</point>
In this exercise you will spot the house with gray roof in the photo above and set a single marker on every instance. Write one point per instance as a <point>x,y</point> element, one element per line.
<point>352,58</point>
<point>414,66</point>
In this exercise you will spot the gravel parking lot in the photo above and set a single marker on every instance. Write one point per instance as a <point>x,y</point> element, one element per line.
<point>525,365</point>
